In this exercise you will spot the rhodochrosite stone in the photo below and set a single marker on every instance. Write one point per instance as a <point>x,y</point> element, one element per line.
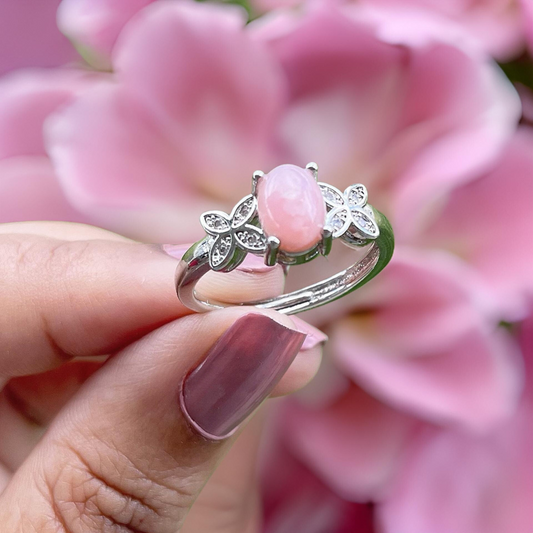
<point>291,207</point>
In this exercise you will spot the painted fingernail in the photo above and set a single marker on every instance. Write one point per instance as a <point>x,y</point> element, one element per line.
<point>175,250</point>
<point>237,374</point>
<point>314,336</point>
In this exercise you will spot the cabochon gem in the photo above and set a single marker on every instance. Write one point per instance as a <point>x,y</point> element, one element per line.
<point>291,207</point>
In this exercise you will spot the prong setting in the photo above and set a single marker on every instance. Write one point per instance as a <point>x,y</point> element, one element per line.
<point>272,250</point>
<point>327,241</point>
<point>257,175</point>
<point>313,167</point>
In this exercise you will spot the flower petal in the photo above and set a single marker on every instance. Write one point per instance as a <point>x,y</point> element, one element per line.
<point>454,481</point>
<point>425,345</point>
<point>295,500</point>
<point>109,152</point>
<point>29,190</point>
<point>527,11</point>
<point>344,92</point>
<point>494,25</point>
<point>410,112</point>
<point>27,97</point>
<point>94,25</point>
<point>354,444</point>
<point>488,222</point>
<point>217,91</point>
<point>489,117</point>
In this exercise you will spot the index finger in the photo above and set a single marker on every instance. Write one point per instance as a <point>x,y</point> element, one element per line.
<point>62,298</point>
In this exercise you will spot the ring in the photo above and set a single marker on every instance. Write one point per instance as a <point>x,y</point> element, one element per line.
<point>289,218</point>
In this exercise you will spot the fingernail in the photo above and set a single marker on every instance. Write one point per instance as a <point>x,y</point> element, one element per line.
<point>237,374</point>
<point>252,264</point>
<point>314,336</point>
<point>175,250</point>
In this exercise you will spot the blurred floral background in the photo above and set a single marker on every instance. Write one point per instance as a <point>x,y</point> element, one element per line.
<point>137,115</point>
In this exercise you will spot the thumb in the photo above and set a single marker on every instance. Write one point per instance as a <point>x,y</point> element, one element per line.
<point>135,446</point>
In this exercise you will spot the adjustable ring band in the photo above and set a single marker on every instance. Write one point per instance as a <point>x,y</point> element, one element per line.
<point>346,216</point>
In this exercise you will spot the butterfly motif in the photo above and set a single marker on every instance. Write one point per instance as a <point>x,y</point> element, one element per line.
<point>348,212</point>
<point>232,232</point>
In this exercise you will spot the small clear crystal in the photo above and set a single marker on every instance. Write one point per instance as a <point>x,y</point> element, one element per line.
<point>337,222</point>
<point>330,195</point>
<point>364,222</point>
<point>357,195</point>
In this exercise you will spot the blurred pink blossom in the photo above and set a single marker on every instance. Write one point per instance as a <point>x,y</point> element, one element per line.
<point>496,25</point>
<point>296,500</point>
<point>187,117</point>
<point>423,473</point>
<point>442,357</point>
<point>455,481</point>
<point>424,344</point>
<point>29,189</point>
<point>162,136</point>
<point>411,113</point>
<point>488,223</point>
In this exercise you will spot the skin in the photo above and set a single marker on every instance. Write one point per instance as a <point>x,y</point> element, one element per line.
<point>75,431</point>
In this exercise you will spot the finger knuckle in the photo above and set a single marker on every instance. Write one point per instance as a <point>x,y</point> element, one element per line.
<point>100,490</point>
<point>55,259</point>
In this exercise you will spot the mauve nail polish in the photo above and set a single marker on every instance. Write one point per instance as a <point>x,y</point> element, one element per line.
<point>237,374</point>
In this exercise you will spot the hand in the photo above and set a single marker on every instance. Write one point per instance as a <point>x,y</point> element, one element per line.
<point>93,445</point>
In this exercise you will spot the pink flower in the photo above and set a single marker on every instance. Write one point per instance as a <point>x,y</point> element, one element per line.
<point>397,105</point>
<point>496,24</point>
<point>29,189</point>
<point>488,223</point>
<point>442,357</point>
<point>162,136</point>
<point>423,343</point>
<point>188,116</point>
<point>29,36</point>
<point>424,473</point>
<point>454,481</point>
<point>296,500</point>
<point>353,444</point>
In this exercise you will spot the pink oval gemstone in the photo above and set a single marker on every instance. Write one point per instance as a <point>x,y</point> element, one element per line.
<point>291,207</point>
